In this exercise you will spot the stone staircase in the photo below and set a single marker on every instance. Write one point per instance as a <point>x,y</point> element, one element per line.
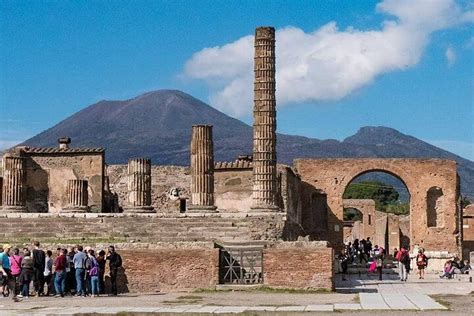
<point>124,229</point>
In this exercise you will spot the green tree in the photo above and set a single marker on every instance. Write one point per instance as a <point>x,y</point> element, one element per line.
<point>385,196</point>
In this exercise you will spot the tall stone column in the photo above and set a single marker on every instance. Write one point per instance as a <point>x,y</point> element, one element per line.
<point>202,170</point>
<point>77,196</point>
<point>139,186</point>
<point>14,184</point>
<point>264,126</point>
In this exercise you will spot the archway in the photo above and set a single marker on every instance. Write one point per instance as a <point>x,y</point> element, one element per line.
<point>383,199</point>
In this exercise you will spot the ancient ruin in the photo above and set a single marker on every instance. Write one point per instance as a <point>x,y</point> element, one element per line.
<point>264,126</point>
<point>202,169</point>
<point>264,208</point>
<point>139,186</point>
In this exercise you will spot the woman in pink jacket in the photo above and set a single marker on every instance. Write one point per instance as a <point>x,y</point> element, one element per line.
<point>15,265</point>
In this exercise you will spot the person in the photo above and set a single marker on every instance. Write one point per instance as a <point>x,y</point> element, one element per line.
<point>39,260</point>
<point>79,261</point>
<point>60,266</point>
<point>395,252</point>
<point>48,272</point>
<point>344,259</point>
<point>403,258</point>
<point>26,275</point>
<point>378,256</point>
<point>15,264</point>
<point>6,273</point>
<point>93,274</point>
<point>448,270</point>
<point>362,247</point>
<point>70,272</point>
<point>421,263</point>
<point>88,266</point>
<point>101,261</point>
<point>368,247</point>
<point>115,262</point>
<point>465,269</point>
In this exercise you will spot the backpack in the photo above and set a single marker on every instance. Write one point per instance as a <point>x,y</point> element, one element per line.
<point>405,258</point>
<point>94,267</point>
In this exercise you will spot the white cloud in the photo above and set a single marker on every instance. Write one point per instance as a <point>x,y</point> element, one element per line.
<point>450,56</point>
<point>328,63</point>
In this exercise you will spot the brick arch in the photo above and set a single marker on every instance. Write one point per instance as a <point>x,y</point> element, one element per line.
<point>333,175</point>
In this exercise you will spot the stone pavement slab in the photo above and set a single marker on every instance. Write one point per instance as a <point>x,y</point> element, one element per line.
<point>398,301</point>
<point>261,308</point>
<point>424,302</point>
<point>345,306</point>
<point>372,301</point>
<point>231,309</point>
<point>291,308</point>
<point>319,308</point>
<point>203,309</point>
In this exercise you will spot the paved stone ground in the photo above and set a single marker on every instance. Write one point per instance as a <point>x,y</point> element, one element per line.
<point>357,295</point>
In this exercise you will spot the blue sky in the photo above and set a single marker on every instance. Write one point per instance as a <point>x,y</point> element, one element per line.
<point>342,64</point>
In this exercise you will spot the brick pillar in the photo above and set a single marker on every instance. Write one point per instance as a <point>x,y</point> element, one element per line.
<point>139,186</point>
<point>202,170</point>
<point>1,190</point>
<point>264,126</point>
<point>77,196</point>
<point>14,184</point>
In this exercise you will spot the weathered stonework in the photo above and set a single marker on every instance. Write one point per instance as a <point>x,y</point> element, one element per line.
<point>77,196</point>
<point>264,126</point>
<point>202,169</point>
<point>14,188</point>
<point>367,208</point>
<point>139,186</point>
<point>332,176</point>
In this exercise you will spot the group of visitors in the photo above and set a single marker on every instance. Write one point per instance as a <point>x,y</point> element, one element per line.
<point>359,251</point>
<point>75,271</point>
<point>455,266</point>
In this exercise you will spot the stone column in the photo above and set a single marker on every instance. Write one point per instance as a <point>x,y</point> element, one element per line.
<point>202,170</point>
<point>14,184</point>
<point>77,196</point>
<point>139,186</point>
<point>264,126</point>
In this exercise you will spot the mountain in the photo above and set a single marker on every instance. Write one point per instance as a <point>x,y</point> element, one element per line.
<point>158,125</point>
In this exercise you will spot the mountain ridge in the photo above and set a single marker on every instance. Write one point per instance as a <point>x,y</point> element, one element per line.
<point>157,124</point>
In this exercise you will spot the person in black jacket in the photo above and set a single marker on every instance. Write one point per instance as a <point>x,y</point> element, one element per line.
<point>115,262</point>
<point>39,260</point>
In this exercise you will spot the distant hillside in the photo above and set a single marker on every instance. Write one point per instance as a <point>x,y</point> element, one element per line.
<point>158,125</point>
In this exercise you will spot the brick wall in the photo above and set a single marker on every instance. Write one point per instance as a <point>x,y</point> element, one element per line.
<point>291,266</point>
<point>169,269</point>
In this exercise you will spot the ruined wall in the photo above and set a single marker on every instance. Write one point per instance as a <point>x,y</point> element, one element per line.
<point>163,180</point>
<point>332,176</point>
<point>367,208</point>
<point>233,190</point>
<point>305,265</point>
<point>468,230</point>
<point>47,177</point>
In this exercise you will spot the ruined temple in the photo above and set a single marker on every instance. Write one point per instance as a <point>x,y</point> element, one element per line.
<point>68,193</point>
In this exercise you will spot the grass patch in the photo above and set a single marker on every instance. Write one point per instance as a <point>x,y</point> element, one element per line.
<point>440,299</point>
<point>267,289</point>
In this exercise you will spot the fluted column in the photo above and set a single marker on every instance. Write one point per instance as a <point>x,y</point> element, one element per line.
<point>77,196</point>
<point>139,186</point>
<point>202,170</point>
<point>14,184</point>
<point>264,127</point>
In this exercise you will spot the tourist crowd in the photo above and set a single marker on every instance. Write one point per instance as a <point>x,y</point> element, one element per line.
<point>360,252</point>
<point>73,271</point>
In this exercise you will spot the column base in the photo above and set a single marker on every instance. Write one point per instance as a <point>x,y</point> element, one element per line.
<point>264,208</point>
<point>13,209</point>
<point>75,209</point>
<point>139,209</point>
<point>202,209</point>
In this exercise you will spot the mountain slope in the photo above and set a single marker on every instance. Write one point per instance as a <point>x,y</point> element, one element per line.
<point>158,125</point>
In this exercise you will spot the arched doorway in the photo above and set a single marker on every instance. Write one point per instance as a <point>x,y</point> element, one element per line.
<point>383,200</point>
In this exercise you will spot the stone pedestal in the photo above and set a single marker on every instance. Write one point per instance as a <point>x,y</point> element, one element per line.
<point>77,196</point>
<point>139,186</point>
<point>264,127</point>
<point>14,184</point>
<point>202,170</point>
